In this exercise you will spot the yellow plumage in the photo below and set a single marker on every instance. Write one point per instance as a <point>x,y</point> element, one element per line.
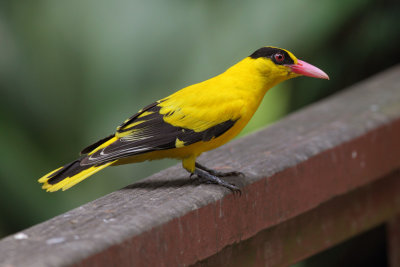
<point>189,122</point>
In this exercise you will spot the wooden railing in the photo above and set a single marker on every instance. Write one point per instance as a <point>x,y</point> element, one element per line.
<point>312,180</point>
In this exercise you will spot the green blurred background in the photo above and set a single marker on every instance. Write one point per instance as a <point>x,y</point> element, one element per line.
<point>71,71</point>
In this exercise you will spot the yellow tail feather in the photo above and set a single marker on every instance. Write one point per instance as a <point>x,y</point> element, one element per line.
<point>68,182</point>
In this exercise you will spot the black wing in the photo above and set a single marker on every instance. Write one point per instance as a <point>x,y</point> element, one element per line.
<point>147,131</point>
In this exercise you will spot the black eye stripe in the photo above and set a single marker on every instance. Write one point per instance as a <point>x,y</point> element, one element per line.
<point>269,52</point>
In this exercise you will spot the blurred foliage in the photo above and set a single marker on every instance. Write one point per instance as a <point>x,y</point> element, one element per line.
<point>71,71</point>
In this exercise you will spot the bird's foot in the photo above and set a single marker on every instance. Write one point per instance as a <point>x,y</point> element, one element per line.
<point>207,177</point>
<point>218,173</point>
<point>226,174</point>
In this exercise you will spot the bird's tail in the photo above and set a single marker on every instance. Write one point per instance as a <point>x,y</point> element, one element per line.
<point>69,175</point>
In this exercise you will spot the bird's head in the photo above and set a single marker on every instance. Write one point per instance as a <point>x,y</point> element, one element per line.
<point>279,64</point>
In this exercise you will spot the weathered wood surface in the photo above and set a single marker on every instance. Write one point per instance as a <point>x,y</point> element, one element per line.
<point>314,156</point>
<point>328,224</point>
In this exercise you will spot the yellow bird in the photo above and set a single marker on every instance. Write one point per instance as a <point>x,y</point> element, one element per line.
<point>189,122</point>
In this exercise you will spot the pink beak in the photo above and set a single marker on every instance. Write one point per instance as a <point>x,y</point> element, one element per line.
<point>303,68</point>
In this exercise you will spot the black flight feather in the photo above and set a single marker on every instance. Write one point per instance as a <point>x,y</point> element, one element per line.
<point>152,134</point>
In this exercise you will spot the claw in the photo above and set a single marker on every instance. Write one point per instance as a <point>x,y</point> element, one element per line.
<point>210,178</point>
<point>235,190</point>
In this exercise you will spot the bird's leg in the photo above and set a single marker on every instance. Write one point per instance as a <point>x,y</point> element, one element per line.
<point>217,173</point>
<point>209,178</point>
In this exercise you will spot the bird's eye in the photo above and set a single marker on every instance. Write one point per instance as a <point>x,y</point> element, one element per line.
<point>279,57</point>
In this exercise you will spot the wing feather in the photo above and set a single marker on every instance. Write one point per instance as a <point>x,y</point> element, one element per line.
<point>149,131</point>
